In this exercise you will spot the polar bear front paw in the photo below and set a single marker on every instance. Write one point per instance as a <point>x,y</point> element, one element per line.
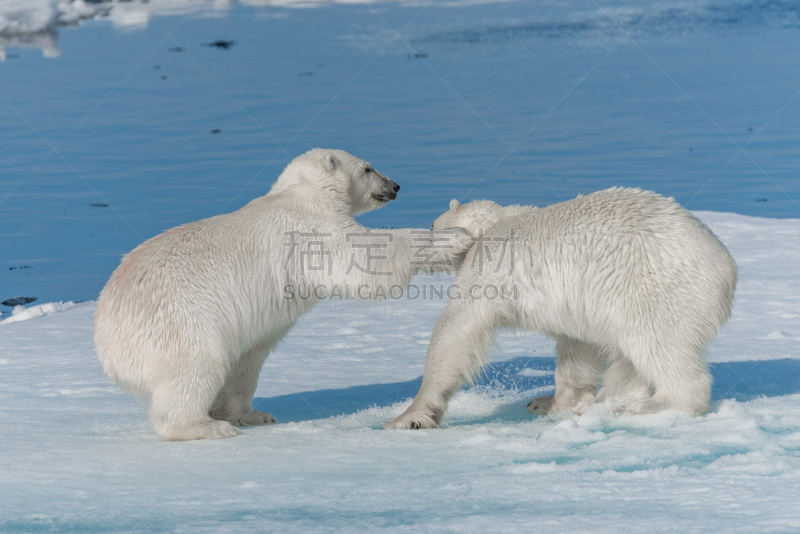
<point>207,429</point>
<point>411,422</point>
<point>642,407</point>
<point>541,405</point>
<point>218,430</point>
<point>421,414</point>
<point>256,418</point>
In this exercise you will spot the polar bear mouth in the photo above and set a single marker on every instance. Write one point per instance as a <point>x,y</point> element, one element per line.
<point>384,197</point>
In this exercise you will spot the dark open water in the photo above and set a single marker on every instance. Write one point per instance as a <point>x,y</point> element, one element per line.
<point>135,129</point>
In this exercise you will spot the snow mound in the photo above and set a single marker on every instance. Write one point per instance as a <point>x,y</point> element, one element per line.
<point>24,17</point>
<point>21,313</point>
<point>29,17</point>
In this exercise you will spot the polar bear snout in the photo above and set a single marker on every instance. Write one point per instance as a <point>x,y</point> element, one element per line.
<point>388,191</point>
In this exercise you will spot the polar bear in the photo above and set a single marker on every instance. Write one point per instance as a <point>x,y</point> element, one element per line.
<point>630,284</point>
<point>189,316</point>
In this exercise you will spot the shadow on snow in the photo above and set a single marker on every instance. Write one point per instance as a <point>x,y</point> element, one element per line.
<point>741,381</point>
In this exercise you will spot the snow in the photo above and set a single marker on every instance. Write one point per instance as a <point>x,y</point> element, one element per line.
<point>76,453</point>
<point>33,16</point>
<point>530,102</point>
<point>24,17</point>
<point>21,313</point>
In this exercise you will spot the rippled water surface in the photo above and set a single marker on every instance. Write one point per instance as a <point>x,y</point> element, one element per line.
<point>139,117</point>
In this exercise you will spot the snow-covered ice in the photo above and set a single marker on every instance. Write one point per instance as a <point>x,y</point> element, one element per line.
<point>514,101</point>
<point>21,313</point>
<point>77,455</point>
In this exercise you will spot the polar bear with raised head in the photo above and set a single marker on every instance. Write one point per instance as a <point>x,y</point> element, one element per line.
<point>189,316</point>
<point>630,284</point>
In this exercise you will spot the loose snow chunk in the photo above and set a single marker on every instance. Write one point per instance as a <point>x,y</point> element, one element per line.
<point>21,313</point>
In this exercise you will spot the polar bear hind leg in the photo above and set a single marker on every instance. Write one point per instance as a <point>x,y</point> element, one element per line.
<point>622,380</point>
<point>679,377</point>
<point>177,418</point>
<point>234,401</point>
<point>180,405</point>
<point>578,371</point>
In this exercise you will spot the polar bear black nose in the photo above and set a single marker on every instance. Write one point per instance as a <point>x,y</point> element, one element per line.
<point>395,187</point>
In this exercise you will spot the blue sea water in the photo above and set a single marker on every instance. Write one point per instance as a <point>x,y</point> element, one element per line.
<point>133,130</point>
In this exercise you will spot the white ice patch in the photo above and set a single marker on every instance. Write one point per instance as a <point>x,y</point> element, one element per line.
<point>778,334</point>
<point>32,23</point>
<point>23,17</point>
<point>29,17</point>
<point>21,313</point>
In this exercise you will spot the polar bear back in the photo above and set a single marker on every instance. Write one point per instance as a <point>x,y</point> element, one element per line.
<point>196,285</point>
<point>612,261</point>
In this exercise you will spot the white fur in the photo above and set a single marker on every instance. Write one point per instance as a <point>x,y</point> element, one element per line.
<point>189,316</point>
<point>631,285</point>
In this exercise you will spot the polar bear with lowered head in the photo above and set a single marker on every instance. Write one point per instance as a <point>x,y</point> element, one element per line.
<point>630,284</point>
<point>189,316</point>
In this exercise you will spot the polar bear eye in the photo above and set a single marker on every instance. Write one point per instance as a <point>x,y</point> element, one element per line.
<point>367,170</point>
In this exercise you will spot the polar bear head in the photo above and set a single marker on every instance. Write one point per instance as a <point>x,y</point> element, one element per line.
<point>477,217</point>
<point>335,180</point>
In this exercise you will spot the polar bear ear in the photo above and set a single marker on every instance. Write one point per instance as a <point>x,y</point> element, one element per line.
<point>330,162</point>
<point>454,204</point>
